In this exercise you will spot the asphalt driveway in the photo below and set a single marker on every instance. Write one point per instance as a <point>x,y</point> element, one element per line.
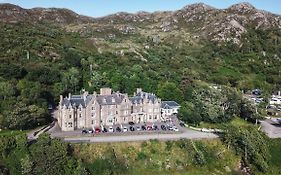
<point>272,128</point>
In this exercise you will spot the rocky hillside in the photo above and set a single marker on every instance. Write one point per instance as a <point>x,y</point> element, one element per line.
<point>14,14</point>
<point>201,20</point>
<point>198,19</point>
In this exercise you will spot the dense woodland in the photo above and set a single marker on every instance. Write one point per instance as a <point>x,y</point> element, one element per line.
<point>39,62</point>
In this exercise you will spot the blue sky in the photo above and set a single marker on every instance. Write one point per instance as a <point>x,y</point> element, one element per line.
<point>97,8</point>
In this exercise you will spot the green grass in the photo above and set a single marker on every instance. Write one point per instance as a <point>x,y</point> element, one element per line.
<point>154,157</point>
<point>11,132</point>
<point>239,122</point>
<point>275,159</point>
<point>235,121</point>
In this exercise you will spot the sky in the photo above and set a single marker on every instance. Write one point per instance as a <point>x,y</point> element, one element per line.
<point>98,8</point>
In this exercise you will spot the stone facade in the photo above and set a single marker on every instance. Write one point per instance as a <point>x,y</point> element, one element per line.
<point>107,108</point>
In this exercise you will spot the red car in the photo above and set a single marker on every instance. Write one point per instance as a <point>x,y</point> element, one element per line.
<point>97,130</point>
<point>149,128</point>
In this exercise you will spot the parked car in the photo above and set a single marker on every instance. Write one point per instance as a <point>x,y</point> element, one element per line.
<point>131,123</point>
<point>143,127</point>
<point>91,131</point>
<point>110,129</point>
<point>118,129</point>
<point>170,128</point>
<point>84,131</point>
<point>149,128</point>
<point>132,128</point>
<point>271,107</point>
<point>125,129</point>
<point>163,127</point>
<point>138,128</point>
<point>175,129</point>
<point>182,124</point>
<point>104,130</point>
<point>155,127</point>
<point>97,130</point>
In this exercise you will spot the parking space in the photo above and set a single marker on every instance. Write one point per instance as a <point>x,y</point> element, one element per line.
<point>133,128</point>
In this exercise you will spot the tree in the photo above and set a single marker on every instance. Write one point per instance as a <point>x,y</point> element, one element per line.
<point>249,111</point>
<point>189,113</point>
<point>26,165</point>
<point>170,91</point>
<point>22,116</point>
<point>10,71</point>
<point>29,90</point>
<point>6,89</point>
<point>50,156</point>
<point>70,79</point>
<point>250,143</point>
<point>43,74</point>
<point>216,104</point>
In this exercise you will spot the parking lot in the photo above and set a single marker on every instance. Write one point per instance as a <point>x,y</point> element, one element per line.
<point>135,128</point>
<point>170,126</point>
<point>170,133</point>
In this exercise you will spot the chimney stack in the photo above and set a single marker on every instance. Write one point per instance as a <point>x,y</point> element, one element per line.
<point>105,91</point>
<point>69,96</point>
<point>85,94</point>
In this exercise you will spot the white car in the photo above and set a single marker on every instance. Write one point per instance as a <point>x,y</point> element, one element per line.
<point>125,129</point>
<point>138,128</point>
<point>110,129</point>
<point>175,129</point>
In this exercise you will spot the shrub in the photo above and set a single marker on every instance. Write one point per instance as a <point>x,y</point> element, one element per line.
<point>141,156</point>
<point>169,145</point>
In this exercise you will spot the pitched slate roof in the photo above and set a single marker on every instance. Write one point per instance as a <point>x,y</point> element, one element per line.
<point>169,104</point>
<point>112,99</point>
<point>138,98</point>
<point>77,100</point>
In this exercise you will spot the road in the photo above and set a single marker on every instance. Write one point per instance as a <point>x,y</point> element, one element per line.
<point>272,128</point>
<point>187,134</point>
<point>34,134</point>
